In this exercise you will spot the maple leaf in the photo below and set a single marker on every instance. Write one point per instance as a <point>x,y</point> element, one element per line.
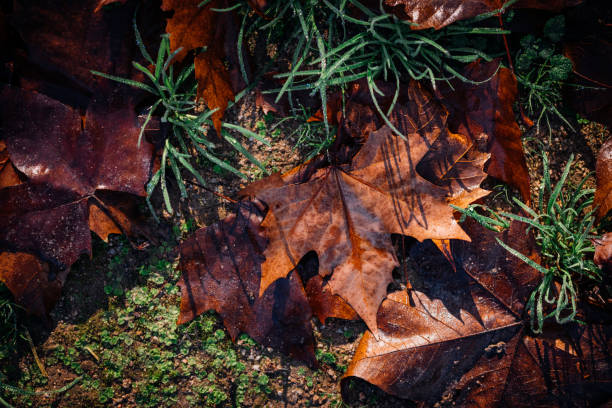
<point>192,27</point>
<point>345,213</point>
<point>58,58</point>
<point>603,174</point>
<point>460,335</point>
<point>323,302</point>
<point>78,179</point>
<point>484,113</point>
<point>220,268</point>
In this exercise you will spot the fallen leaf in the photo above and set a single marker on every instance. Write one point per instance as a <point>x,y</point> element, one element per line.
<point>459,337</point>
<point>8,176</point>
<point>484,113</point>
<point>30,281</point>
<point>345,213</point>
<point>603,176</point>
<point>603,252</point>
<point>221,269</point>
<point>440,13</point>
<point>192,27</point>
<point>58,58</point>
<point>78,176</point>
<point>591,94</point>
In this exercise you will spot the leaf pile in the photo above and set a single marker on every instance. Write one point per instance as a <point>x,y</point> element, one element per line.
<point>317,240</point>
<point>345,213</point>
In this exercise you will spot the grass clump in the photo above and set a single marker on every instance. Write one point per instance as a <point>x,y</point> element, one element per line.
<point>174,101</point>
<point>541,71</point>
<point>340,41</point>
<point>563,224</point>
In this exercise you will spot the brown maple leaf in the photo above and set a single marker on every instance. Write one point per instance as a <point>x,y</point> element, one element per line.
<point>603,174</point>
<point>484,113</point>
<point>192,27</point>
<point>221,269</point>
<point>83,174</point>
<point>346,213</point>
<point>459,335</point>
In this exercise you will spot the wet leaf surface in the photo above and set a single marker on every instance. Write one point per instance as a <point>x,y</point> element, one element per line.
<point>440,13</point>
<point>484,113</point>
<point>78,176</point>
<point>459,336</point>
<point>221,270</point>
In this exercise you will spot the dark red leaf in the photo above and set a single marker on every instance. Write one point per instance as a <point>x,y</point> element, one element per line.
<point>484,113</point>
<point>221,270</point>
<point>80,170</point>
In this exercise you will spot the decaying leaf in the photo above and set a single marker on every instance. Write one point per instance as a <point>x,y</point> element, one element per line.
<point>192,27</point>
<point>459,336</point>
<point>8,176</point>
<point>58,58</point>
<point>440,13</point>
<point>221,269</point>
<point>345,213</point>
<point>591,57</point>
<point>484,113</point>
<point>603,252</point>
<point>31,281</point>
<point>79,171</point>
<point>603,174</point>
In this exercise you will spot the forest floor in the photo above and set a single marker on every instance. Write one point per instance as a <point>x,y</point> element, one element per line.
<point>114,329</point>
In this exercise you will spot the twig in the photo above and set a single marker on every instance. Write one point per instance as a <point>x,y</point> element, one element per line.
<point>39,363</point>
<point>34,393</point>
<point>92,353</point>
<point>591,80</point>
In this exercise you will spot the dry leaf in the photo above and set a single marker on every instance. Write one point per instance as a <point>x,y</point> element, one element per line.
<point>603,174</point>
